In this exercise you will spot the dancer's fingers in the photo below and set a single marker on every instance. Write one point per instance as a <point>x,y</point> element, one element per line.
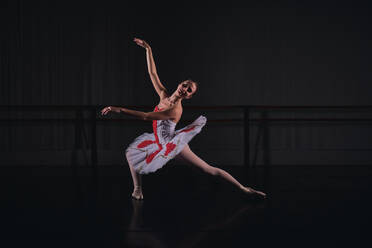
<point>138,41</point>
<point>105,110</point>
<point>260,193</point>
<point>141,43</point>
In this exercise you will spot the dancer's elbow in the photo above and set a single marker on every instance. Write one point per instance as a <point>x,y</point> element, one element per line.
<point>145,117</point>
<point>148,116</point>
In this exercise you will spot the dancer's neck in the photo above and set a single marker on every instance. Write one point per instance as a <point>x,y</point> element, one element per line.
<point>174,99</point>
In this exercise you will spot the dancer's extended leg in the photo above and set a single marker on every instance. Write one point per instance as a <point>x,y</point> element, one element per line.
<point>137,183</point>
<point>187,155</point>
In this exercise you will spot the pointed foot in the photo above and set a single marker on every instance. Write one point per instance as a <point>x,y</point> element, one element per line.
<point>137,193</point>
<point>137,197</point>
<point>255,193</point>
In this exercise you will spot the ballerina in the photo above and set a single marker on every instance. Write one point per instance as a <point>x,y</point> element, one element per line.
<point>151,151</point>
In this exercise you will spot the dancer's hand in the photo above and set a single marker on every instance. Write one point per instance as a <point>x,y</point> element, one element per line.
<point>253,191</point>
<point>110,108</point>
<point>142,43</point>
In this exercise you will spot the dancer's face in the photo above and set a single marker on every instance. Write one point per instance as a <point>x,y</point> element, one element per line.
<point>186,89</point>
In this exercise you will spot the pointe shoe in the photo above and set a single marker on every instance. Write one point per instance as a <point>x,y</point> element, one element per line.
<point>137,193</point>
<point>137,197</point>
<point>251,191</point>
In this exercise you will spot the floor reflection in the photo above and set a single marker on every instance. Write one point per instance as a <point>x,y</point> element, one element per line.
<point>137,235</point>
<point>230,222</point>
<point>210,220</point>
<point>57,207</point>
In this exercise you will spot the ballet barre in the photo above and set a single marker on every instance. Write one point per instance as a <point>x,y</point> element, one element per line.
<point>89,115</point>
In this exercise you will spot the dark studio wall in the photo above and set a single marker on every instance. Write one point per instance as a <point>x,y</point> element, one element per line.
<point>82,53</point>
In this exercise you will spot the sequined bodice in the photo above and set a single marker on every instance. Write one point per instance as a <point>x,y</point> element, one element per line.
<point>164,129</point>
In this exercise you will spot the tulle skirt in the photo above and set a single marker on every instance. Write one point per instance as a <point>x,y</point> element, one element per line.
<point>146,155</point>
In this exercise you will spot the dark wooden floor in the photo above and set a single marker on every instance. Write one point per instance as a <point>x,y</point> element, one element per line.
<point>311,206</point>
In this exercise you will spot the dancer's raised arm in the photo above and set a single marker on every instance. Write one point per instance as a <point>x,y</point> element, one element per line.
<point>159,87</point>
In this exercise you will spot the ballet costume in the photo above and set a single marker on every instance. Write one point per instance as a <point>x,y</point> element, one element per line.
<point>151,151</point>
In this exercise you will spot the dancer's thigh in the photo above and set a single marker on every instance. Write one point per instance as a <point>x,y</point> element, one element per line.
<point>190,158</point>
<point>185,155</point>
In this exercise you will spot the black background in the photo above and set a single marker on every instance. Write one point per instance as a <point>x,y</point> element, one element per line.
<point>260,52</point>
<point>317,174</point>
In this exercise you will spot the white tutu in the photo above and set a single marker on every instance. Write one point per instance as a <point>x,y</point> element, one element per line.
<point>151,151</point>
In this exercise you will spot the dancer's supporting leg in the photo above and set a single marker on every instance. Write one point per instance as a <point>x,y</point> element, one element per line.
<point>187,155</point>
<point>137,183</point>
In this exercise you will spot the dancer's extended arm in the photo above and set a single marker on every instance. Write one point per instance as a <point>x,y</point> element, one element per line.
<point>146,116</point>
<point>159,87</point>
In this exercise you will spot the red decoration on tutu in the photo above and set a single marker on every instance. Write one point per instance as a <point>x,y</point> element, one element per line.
<point>188,129</point>
<point>145,143</point>
<point>150,157</point>
<point>170,148</point>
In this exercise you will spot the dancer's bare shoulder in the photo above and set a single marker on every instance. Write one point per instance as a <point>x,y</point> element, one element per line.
<point>175,110</point>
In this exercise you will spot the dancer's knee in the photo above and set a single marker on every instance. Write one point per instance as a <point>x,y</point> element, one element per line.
<point>126,156</point>
<point>130,166</point>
